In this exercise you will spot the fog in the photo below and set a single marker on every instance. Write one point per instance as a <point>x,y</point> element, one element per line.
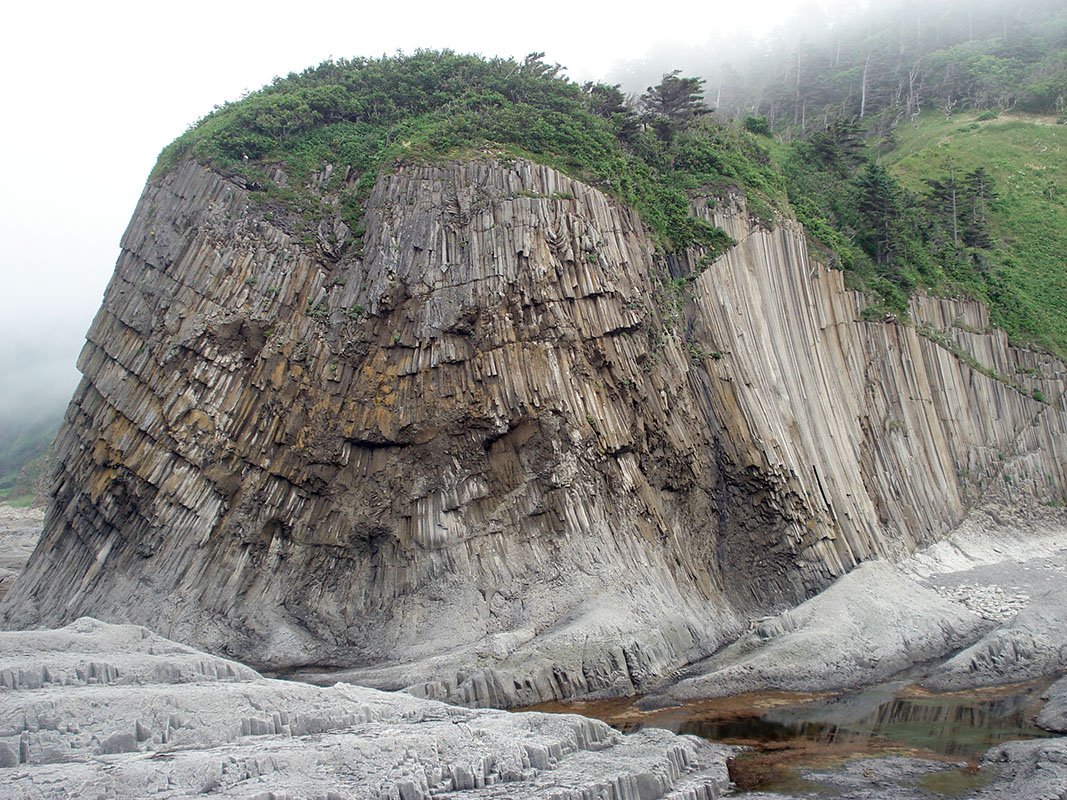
<point>94,91</point>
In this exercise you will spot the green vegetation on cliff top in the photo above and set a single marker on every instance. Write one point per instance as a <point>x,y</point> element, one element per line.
<point>968,205</point>
<point>368,114</point>
<point>883,121</point>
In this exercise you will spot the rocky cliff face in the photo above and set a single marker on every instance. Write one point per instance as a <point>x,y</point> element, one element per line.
<point>505,452</point>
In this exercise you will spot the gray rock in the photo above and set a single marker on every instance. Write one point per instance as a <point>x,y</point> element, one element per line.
<point>616,472</point>
<point>1053,716</point>
<point>160,726</point>
<point>19,531</point>
<point>1034,770</point>
<point>1031,645</point>
<point>870,625</point>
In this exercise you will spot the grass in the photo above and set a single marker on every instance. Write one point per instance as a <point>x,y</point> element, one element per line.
<point>1026,286</point>
<point>21,501</point>
<point>24,441</point>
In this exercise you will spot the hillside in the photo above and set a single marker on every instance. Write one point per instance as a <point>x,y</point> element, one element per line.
<point>24,442</point>
<point>1024,277</point>
<point>957,99</point>
<point>880,63</point>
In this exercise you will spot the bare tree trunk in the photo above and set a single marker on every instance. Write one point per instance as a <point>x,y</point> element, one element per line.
<point>863,96</point>
<point>796,102</point>
<point>955,213</point>
<point>913,93</point>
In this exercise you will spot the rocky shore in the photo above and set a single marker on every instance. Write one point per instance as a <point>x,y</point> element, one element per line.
<point>98,710</point>
<point>985,606</point>
<point>118,711</point>
<point>103,710</point>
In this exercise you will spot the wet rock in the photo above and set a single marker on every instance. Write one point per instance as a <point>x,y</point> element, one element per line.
<point>887,778</point>
<point>1033,769</point>
<point>1053,717</point>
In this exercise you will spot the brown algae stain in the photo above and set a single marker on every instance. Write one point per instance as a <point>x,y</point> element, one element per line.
<point>789,734</point>
<point>958,782</point>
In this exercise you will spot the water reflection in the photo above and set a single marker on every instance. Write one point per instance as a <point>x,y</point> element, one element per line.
<point>960,725</point>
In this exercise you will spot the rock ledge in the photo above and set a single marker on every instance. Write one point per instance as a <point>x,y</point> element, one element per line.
<point>94,709</point>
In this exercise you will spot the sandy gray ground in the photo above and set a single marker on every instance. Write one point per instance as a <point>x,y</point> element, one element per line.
<point>19,531</point>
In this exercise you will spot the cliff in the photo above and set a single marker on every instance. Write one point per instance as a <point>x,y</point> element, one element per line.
<point>504,452</point>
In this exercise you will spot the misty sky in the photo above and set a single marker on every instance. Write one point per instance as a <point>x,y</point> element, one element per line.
<point>93,91</point>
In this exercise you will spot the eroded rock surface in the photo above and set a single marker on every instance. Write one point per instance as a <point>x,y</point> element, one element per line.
<point>505,452</point>
<point>1032,644</point>
<point>1036,769</point>
<point>1053,716</point>
<point>992,590</point>
<point>870,625</point>
<point>118,711</point>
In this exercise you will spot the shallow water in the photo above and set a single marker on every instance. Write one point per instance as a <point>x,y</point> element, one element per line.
<point>794,732</point>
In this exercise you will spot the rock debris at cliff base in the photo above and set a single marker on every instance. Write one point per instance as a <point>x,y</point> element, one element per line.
<point>20,528</point>
<point>883,619</point>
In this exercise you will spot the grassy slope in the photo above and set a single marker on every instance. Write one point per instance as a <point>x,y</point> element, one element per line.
<point>1025,156</point>
<point>22,442</point>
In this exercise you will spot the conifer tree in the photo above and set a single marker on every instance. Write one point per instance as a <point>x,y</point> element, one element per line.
<point>980,193</point>
<point>879,207</point>
<point>946,199</point>
<point>674,103</point>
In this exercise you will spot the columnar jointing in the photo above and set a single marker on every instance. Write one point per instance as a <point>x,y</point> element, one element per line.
<point>498,454</point>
